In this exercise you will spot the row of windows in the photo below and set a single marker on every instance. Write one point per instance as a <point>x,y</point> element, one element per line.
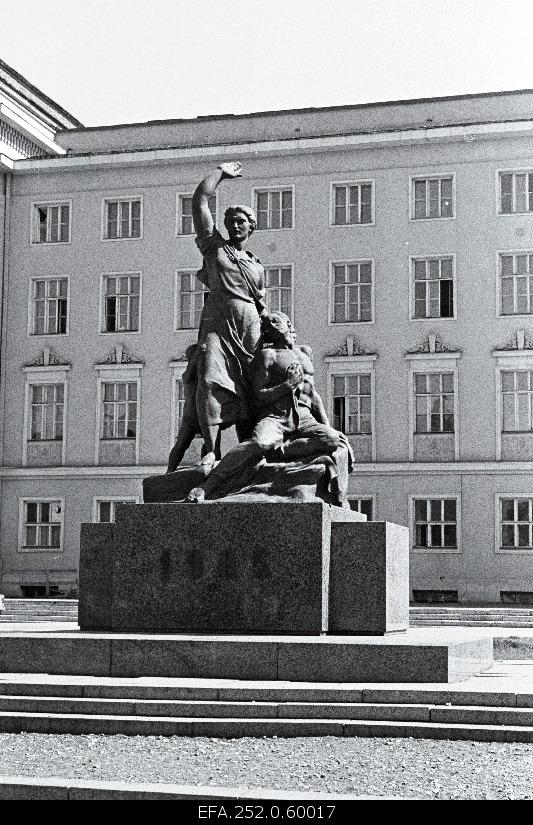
<point>352,203</point>
<point>351,294</point>
<point>434,521</point>
<point>434,404</point>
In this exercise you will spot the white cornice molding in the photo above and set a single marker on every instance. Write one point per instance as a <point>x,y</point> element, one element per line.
<point>492,468</point>
<point>29,126</point>
<point>433,135</point>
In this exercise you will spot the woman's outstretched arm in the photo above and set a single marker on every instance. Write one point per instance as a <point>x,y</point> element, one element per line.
<point>201,214</point>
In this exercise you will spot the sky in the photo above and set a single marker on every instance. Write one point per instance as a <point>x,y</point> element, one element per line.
<point>126,61</point>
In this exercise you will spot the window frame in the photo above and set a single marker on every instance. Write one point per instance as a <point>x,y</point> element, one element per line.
<point>458,522</point>
<point>428,362</point>
<point>515,171</point>
<point>31,307</point>
<point>179,214</point>
<point>112,500</point>
<point>282,266</point>
<point>34,226</point>
<point>23,501</point>
<point>121,199</point>
<point>102,314</point>
<point>350,365</point>
<point>441,394</point>
<point>269,189</point>
<point>508,253</point>
<point>51,374</point>
<point>372,497</point>
<point>427,176</point>
<point>509,551</point>
<point>427,257</point>
<point>177,296</point>
<point>511,360</point>
<point>109,374</point>
<point>331,302</point>
<point>357,182</point>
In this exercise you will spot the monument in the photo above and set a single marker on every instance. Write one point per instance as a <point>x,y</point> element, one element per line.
<point>261,539</point>
<point>255,553</point>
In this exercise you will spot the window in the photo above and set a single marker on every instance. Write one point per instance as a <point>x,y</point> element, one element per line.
<point>121,303</point>
<point>274,209</point>
<point>516,274</point>
<point>106,509</point>
<point>435,596</point>
<point>435,523</point>
<point>434,402</point>
<point>352,292</point>
<point>352,203</point>
<point>433,292</point>
<point>46,416</point>
<point>432,197</point>
<point>278,280</point>
<point>120,410</point>
<point>180,402</point>
<point>50,306</point>
<point>185,224</point>
<point>191,295</point>
<point>516,523</point>
<point>517,400</point>
<point>51,223</point>
<point>122,219</point>
<point>516,192</point>
<point>42,525</point>
<point>362,505</point>
<point>351,404</point>
<point>516,597</point>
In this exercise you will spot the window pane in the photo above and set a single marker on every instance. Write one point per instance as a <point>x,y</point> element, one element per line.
<point>507,509</point>
<point>435,509</point>
<point>104,511</point>
<point>450,535</point>
<point>450,506</point>
<point>420,510</point>
<point>436,535</point>
<point>508,536</point>
<point>523,509</point>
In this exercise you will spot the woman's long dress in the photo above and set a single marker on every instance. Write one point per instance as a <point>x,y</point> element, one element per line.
<point>230,328</point>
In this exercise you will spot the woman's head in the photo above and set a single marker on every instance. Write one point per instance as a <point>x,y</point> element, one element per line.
<point>240,221</point>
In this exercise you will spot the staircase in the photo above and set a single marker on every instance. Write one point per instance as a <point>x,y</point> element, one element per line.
<point>66,610</point>
<point>40,610</point>
<point>487,616</point>
<point>213,708</point>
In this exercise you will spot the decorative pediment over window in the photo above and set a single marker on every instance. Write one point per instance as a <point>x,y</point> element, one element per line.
<point>350,348</point>
<point>519,342</point>
<point>47,358</point>
<point>120,355</point>
<point>432,345</point>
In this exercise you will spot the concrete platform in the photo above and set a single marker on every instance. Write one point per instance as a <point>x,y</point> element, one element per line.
<point>415,656</point>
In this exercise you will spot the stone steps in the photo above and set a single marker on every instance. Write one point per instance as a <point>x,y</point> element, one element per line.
<point>232,710</point>
<point>39,610</point>
<point>470,616</point>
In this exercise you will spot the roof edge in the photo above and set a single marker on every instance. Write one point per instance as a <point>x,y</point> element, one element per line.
<point>41,96</point>
<point>268,112</point>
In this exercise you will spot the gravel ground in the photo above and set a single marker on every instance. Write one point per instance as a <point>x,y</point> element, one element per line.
<point>411,768</point>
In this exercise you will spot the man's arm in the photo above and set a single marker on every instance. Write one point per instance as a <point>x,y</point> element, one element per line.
<point>201,214</point>
<point>318,410</point>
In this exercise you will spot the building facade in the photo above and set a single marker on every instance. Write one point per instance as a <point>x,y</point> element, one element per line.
<point>398,236</point>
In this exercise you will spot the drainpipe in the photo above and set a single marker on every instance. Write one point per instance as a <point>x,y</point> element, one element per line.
<point>4,272</point>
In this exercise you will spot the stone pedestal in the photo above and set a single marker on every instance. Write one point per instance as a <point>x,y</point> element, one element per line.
<point>254,567</point>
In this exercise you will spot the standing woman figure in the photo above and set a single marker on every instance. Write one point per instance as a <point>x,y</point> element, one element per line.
<point>230,325</point>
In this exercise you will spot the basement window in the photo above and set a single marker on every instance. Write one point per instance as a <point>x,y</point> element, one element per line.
<point>516,597</point>
<point>435,597</point>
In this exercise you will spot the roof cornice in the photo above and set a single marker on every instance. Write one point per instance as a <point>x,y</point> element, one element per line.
<point>427,136</point>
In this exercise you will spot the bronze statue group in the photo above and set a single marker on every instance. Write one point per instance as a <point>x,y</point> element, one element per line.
<point>247,371</point>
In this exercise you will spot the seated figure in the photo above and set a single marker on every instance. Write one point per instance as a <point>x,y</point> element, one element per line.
<point>291,422</point>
